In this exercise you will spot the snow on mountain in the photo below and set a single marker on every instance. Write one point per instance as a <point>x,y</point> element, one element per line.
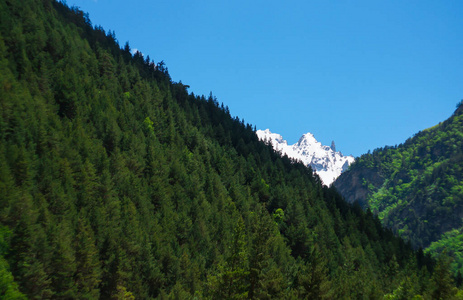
<point>324,160</point>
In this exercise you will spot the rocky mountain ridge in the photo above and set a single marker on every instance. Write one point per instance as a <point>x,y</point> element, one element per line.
<point>324,160</point>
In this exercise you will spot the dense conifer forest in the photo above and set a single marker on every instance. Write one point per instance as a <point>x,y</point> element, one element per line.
<point>118,183</point>
<point>416,188</point>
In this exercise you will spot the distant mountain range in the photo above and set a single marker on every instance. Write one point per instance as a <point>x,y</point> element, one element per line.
<point>324,160</point>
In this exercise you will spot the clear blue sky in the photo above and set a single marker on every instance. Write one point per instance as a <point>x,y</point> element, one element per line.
<point>362,73</point>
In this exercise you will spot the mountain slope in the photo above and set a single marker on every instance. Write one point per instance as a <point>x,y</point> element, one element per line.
<point>416,188</point>
<point>324,160</point>
<point>116,183</point>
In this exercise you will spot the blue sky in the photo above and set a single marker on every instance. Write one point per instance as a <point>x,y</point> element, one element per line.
<point>362,73</point>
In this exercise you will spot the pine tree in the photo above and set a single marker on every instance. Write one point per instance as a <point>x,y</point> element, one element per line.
<point>88,269</point>
<point>442,286</point>
<point>232,280</point>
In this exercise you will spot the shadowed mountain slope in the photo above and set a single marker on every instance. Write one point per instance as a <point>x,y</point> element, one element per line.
<point>416,188</point>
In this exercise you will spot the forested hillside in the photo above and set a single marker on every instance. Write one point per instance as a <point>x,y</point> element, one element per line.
<point>117,183</point>
<point>416,188</point>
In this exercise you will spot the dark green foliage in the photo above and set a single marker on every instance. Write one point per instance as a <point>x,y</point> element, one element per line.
<point>442,285</point>
<point>416,188</point>
<point>116,183</point>
<point>8,287</point>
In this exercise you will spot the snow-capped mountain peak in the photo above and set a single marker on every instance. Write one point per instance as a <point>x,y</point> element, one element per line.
<point>273,137</point>
<point>324,160</point>
<point>307,139</point>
